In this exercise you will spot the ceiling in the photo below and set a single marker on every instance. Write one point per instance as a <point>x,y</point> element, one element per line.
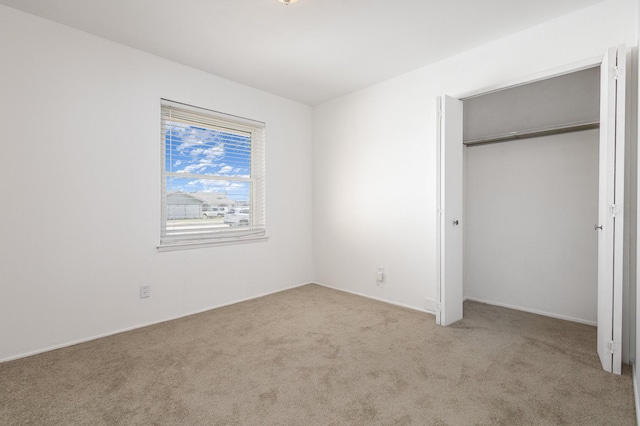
<point>311,51</point>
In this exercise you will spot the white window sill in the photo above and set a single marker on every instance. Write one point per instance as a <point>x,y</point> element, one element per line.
<point>204,244</point>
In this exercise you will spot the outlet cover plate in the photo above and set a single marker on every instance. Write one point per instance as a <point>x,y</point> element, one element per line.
<point>145,291</point>
<point>430,305</point>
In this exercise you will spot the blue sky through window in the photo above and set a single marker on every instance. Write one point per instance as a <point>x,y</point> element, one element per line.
<point>210,153</point>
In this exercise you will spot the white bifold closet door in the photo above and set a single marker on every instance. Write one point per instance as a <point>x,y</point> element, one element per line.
<point>611,209</point>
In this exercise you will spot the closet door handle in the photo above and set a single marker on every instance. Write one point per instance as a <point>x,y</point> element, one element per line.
<point>455,222</point>
<point>596,227</point>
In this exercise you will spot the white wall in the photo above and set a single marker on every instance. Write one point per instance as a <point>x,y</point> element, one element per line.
<point>80,179</point>
<point>560,101</point>
<point>374,163</point>
<point>530,207</point>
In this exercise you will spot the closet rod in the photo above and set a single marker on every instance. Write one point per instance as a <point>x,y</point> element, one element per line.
<point>534,133</point>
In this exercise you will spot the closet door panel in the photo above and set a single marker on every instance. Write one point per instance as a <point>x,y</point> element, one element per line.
<point>611,209</point>
<point>450,212</point>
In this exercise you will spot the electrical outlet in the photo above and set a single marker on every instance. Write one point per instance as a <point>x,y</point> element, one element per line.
<point>145,291</point>
<point>431,305</point>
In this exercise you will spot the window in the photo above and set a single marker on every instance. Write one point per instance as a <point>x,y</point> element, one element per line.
<point>213,177</point>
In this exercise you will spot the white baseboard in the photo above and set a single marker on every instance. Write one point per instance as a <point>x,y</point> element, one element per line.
<point>134,327</point>
<point>390,302</point>
<point>533,311</point>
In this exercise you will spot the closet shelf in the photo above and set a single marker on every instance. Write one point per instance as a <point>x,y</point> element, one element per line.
<point>534,133</point>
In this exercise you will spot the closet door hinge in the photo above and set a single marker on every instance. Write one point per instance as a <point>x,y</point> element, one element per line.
<point>614,210</point>
<point>615,72</point>
<point>612,347</point>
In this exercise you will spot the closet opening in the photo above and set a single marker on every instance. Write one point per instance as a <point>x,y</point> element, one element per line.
<point>532,208</point>
<point>530,197</point>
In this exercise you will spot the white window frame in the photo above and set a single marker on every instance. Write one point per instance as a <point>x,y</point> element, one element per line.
<point>170,239</point>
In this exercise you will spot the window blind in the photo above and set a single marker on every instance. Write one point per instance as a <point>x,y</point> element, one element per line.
<point>211,162</point>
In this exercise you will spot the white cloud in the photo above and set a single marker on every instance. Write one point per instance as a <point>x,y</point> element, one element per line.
<point>196,168</point>
<point>215,151</point>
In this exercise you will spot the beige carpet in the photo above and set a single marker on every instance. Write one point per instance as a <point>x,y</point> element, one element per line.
<point>317,356</point>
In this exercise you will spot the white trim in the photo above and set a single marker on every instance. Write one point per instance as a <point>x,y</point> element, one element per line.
<point>532,311</point>
<point>635,392</point>
<point>220,115</point>
<point>402,305</point>
<point>532,78</point>
<point>135,327</point>
<point>194,245</point>
<point>438,298</point>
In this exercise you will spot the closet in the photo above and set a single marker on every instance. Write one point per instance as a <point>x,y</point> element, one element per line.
<point>531,196</point>
<point>529,200</point>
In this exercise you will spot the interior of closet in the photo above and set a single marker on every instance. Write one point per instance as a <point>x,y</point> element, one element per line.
<point>531,196</point>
